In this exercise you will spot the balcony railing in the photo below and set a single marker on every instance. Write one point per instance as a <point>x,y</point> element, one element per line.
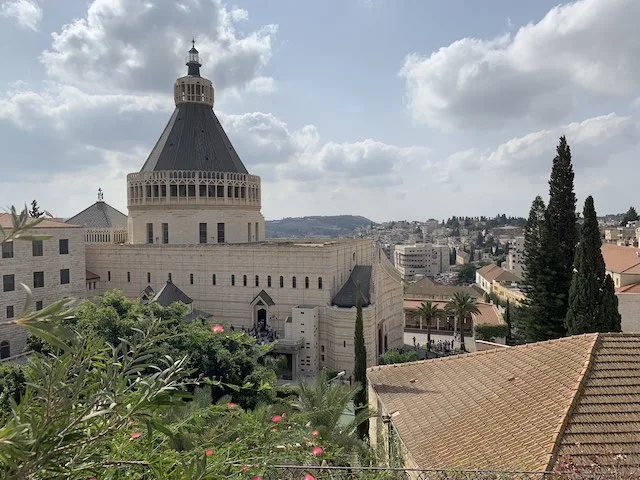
<point>298,472</point>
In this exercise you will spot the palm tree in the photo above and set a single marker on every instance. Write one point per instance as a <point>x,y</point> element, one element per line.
<point>462,307</point>
<point>428,312</point>
<point>326,404</point>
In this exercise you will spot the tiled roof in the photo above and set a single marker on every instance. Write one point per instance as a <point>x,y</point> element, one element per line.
<point>520,408</point>
<point>265,297</point>
<point>89,275</point>
<point>427,287</point>
<point>631,288</point>
<point>619,259</point>
<point>169,294</point>
<point>194,140</point>
<point>100,215</point>
<point>486,269</point>
<point>6,222</point>
<point>489,314</point>
<point>346,297</point>
<point>605,420</point>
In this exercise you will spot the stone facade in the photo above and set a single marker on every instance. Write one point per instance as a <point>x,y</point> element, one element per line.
<point>22,266</point>
<point>214,277</point>
<point>424,259</point>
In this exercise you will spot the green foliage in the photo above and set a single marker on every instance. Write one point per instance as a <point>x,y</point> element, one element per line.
<point>487,332</point>
<point>12,387</point>
<point>561,212</point>
<point>395,356</point>
<point>509,322</point>
<point>462,306</point>
<point>360,365</point>
<point>467,273</point>
<point>544,304</point>
<point>593,306</point>
<point>630,216</point>
<point>35,211</point>
<point>429,312</point>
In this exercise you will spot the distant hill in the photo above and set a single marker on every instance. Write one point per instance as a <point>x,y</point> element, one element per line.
<point>329,226</point>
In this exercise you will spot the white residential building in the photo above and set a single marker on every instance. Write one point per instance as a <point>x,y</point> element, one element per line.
<point>424,259</point>
<point>515,258</point>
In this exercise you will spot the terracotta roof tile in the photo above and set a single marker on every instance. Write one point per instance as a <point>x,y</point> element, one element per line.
<point>631,288</point>
<point>619,259</point>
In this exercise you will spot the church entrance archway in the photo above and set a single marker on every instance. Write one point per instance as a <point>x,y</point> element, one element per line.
<point>261,318</point>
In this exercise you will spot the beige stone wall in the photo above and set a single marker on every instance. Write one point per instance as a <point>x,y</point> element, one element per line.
<point>22,266</point>
<point>629,308</point>
<point>331,261</point>
<point>184,223</point>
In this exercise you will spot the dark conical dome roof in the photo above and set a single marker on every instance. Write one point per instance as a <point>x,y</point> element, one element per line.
<point>194,140</point>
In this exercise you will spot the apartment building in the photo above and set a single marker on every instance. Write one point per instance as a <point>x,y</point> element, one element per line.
<point>424,259</point>
<point>515,258</point>
<point>620,235</point>
<point>623,264</point>
<point>53,269</point>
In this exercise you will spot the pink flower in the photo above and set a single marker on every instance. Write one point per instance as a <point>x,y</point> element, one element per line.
<point>232,405</point>
<point>217,329</point>
<point>315,433</point>
<point>276,418</point>
<point>135,435</point>
<point>208,452</point>
<point>284,414</point>
<point>317,451</point>
<point>308,476</point>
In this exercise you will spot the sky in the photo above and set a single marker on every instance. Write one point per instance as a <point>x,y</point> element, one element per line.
<point>390,109</point>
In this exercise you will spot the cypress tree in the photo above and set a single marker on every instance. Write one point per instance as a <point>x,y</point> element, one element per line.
<point>610,318</point>
<point>541,304</point>
<point>507,320</point>
<point>587,284</point>
<point>561,212</point>
<point>360,367</point>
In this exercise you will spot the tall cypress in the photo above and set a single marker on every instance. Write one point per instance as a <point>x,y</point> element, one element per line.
<point>610,317</point>
<point>587,284</point>
<point>360,367</point>
<point>561,212</point>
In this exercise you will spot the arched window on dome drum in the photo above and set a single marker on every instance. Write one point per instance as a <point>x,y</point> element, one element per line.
<point>293,282</point>
<point>5,349</point>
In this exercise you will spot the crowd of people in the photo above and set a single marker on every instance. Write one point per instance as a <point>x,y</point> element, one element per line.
<point>442,346</point>
<point>263,333</point>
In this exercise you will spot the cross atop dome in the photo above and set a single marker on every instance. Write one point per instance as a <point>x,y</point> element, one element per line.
<point>193,60</point>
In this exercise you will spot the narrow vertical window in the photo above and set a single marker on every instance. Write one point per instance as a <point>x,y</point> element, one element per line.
<point>257,281</point>
<point>306,282</point>
<point>10,311</point>
<point>281,281</point>
<point>244,280</point>
<point>203,233</point>
<point>221,233</point>
<point>36,248</point>
<point>64,276</point>
<point>249,232</point>
<point>149,232</point>
<point>169,276</point>
<point>128,276</point>
<point>319,283</point>
<point>63,246</point>
<point>7,249</point>
<point>39,305</point>
<point>165,233</point>
<point>213,279</point>
<point>233,280</point>
<point>148,277</point>
<point>191,278</point>
<point>257,233</point>
<point>109,276</point>
<point>269,281</point>
<point>293,282</point>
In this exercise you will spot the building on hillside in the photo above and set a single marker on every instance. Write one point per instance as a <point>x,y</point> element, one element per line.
<point>195,220</point>
<point>491,274</point>
<point>507,292</point>
<point>462,257</point>
<point>515,257</point>
<point>525,408</point>
<point>623,236</point>
<point>53,269</point>
<point>427,289</point>
<point>102,223</point>
<point>424,259</point>
<point>623,264</point>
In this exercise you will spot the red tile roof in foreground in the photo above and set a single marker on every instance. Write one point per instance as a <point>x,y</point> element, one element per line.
<point>519,408</point>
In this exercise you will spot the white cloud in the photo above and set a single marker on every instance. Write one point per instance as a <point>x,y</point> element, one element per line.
<point>577,51</point>
<point>593,143</point>
<point>132,47</point>
<point>27,13</point>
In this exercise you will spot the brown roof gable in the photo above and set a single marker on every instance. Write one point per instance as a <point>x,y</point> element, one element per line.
<point>487,268</point>
<point>521,407</point>
<point>6,222</point>
<point>619,259</point>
